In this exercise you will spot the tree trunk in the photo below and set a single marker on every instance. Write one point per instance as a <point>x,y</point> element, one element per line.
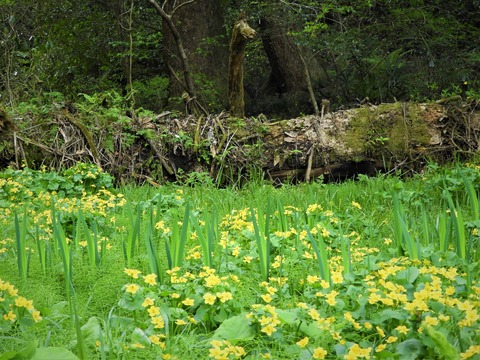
<point>200,27</point>
<point>240,34</point>
<point>170,24</point>
<point>287,61</point>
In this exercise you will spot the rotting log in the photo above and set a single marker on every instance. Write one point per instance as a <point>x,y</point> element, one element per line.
<point>370,139</point>
<point>338,144</point>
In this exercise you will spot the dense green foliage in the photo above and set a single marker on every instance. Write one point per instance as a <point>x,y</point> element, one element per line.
<point>375,50</point>
<point>379,268</point>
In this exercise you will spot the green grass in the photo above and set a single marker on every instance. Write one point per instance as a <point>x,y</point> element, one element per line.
<point>285,272</point>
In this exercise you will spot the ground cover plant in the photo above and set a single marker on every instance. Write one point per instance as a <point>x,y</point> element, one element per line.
<point>379,268</point>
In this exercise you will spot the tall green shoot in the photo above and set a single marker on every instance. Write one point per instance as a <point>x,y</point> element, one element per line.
<point>459,228</point>
<point>403,238</point>
<point>444,231</point>
<point>43,250</point>
<point>321,253</point>
<point>92,248</point>
<point>65,254</point>
<point>20,240</point>
<point>133,232</point>
<point>262,238</point>
<point>175,247</point>
<point>153,260</point>
<point>346,252</point>
<point>206,235</point>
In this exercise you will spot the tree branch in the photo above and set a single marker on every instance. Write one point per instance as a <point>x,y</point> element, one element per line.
<point>180,5</point>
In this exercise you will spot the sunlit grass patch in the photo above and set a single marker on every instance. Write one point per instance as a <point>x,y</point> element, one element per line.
<point>309,272</point>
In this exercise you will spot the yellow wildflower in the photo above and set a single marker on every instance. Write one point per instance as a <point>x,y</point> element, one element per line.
<point>188,302</point>
<point>209,298</point>
<point>150,279</point>
<point>132,288</point>
<point>319,353</point>
<point>302,343</point>
<point>132,272</point>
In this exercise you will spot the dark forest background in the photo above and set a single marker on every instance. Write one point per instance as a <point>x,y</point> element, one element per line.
<point>356,51</point>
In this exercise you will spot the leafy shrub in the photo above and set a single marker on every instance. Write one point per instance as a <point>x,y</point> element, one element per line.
<point>151,94</point>
<point>21,185</point>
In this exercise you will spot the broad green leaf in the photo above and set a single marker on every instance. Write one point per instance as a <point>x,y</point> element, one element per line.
<point>53,353</point>
<point>409,275</point>
<point>235,329</point>
<point>410,349</point>
<point>311,330</point>
<point>25,354</point>
<point>393,314</point>
<point>92,331</point>
<point>287,316</point>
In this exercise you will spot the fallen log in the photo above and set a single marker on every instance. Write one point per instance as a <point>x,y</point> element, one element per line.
<point>362,140</point>
<point>332,145</point>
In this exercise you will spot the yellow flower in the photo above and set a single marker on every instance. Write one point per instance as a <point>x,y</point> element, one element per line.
<point>432,321</point>
<point>209,298</point>
<point>356,352</point>
<point>380,331</point>
<point>22,302</point>
<point>148,302</point>
<point>470,352</point>
<point>175,295</point>
<point>10,316</point>
<point>402,329</point>
<point>188,302</point>
<point>391,339</point>
<point>312,279</point>
<point>269,329</point>
<point>319,353</point>
<point>331,298</point>
<point>212,280</point>
<point>324,284</point>
<point>247,259</point>
<point>36,316</point>
<point>155,339</point>
<point>153,311</point>
<point>267,298</point>
<point>132,272</point>
<point>181,322</point>
<point>158,322</point>
<point>302,343</point>
<point>356,204</point>
<point>132,288</point>
<point>224,296</point>
<point>150,279</point>
<point>442,317</point>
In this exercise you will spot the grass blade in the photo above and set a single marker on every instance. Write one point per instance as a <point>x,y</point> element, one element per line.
<point>20,240</point>
<point>321,252</point>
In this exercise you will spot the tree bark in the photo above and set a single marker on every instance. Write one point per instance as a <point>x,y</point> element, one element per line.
<point>200,26</point>
<point>167,18</point>
<point>288,62</point>
<point>240,34</point>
